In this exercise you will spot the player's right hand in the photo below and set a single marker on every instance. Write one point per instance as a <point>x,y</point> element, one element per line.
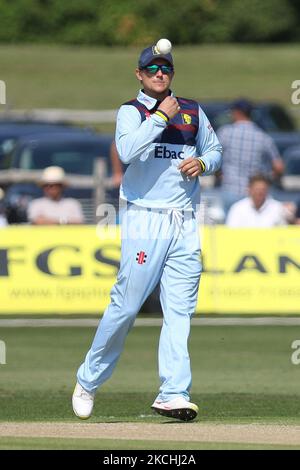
<point>170,106</point>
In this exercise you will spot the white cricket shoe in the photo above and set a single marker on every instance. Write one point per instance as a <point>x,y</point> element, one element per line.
<point>178,408</point>
<point>82,402</point>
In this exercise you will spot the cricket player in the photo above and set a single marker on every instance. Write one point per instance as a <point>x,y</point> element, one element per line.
<point>167,143</point>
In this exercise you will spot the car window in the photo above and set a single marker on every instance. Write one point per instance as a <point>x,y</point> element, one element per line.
<point>74,162</point>
<point>282,120</point>
<point>292,161</point>
<point>222,119</point>
<point>6,147</point>
<point>293,167</point>
<point>76,158</point>
<point>270,117</point>
<point>273,119</point>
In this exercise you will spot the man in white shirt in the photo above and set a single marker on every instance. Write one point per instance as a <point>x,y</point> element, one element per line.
<point>53,208</point>
<point>259,209</point>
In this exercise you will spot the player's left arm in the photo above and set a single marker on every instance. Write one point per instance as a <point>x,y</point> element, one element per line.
<point>209,150</point>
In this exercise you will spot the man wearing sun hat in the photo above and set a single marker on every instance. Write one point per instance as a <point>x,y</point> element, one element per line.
<point>53,208</point>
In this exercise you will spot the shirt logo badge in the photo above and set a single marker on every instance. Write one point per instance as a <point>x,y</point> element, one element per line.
<point>155,51</point>
<point>186,118</point>
<point>141,257</point>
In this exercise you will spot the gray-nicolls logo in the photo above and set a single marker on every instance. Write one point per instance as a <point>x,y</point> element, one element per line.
<point>2,352</point>
<point>296,94</point>
<point>2,92</point>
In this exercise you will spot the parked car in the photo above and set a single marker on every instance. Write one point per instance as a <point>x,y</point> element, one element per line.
<point>11,131</point>
<point>292,160</point>
<point>75,152</point>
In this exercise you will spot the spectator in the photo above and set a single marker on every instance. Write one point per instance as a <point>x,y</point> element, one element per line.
<point>3,221</point>
<point>259,209</point>
<point>53,208</point>
<point>247,151</point>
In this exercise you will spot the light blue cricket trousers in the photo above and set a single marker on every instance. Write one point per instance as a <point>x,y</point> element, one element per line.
<point>156,246</point>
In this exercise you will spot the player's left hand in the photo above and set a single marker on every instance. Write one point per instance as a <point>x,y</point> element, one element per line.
<point>191,167</point>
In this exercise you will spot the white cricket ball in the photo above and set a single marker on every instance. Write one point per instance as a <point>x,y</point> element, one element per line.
<point>163,46</point>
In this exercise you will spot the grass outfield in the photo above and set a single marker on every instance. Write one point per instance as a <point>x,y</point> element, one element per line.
<point>109,444</point>
<point>240,375</point>
<point>102,78</point>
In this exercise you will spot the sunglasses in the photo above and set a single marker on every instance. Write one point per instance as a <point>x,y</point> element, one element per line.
<point>154,68</point>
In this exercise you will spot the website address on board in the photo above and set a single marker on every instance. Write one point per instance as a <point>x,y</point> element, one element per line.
<point>58,293</point>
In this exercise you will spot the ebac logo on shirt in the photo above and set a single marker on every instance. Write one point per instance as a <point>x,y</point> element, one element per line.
<point>162,152</point>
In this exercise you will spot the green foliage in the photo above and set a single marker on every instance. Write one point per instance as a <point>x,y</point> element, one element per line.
<point>128,22</point>
<point>252,21</point>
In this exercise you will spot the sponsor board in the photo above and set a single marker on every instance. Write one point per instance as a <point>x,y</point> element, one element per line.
<point>72,270</point>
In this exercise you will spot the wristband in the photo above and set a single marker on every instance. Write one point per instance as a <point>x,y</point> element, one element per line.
<point>163,115</point>
<point>202,164</point>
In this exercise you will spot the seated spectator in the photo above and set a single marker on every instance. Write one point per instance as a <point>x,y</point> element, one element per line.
<point>3,221</point>
<point>53,208</point>
<point>259,209</point>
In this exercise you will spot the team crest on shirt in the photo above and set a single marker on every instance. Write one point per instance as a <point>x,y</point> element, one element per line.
<point>186,118</point>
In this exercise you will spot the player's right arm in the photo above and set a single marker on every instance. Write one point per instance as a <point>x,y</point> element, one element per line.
<point>133,137</point>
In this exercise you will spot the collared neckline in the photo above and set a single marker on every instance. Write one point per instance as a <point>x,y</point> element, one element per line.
<point>245,123</point>
<point>263,207</point>
<point>147,100</point>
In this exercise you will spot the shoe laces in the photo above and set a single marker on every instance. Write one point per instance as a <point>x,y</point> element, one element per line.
<point>85,395</point>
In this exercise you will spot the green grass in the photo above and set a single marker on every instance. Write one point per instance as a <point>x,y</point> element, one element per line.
<point>102,78</point>
<point>109,444</point>
<point>240,374</point>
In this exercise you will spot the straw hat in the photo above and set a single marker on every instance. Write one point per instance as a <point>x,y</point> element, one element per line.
<point>53,175</point>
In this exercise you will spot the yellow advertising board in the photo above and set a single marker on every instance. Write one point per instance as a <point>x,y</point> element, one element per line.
<point>250,270</point>
<point>72,269</point>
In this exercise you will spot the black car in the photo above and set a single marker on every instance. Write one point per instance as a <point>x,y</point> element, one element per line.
<point>75,152</point>
<point>11,131</point>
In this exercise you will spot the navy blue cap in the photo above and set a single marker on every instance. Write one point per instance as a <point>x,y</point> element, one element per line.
<point>149,54</point>
<point>243,105</point>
